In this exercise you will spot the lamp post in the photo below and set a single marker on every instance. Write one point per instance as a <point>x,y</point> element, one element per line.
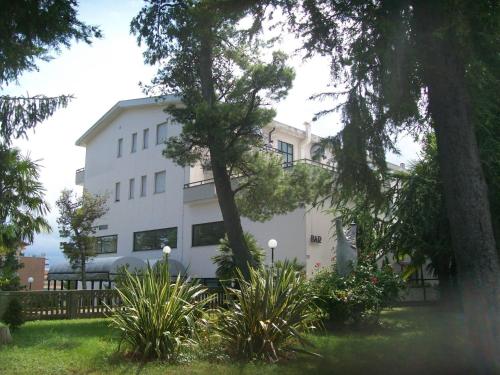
<point>272,244</point>
<point>30,281</point>
<point>167,250</point>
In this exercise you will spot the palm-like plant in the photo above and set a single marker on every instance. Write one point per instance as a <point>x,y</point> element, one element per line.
<point>158,317</point>
<point>226,266</point>
<point>268,315</point>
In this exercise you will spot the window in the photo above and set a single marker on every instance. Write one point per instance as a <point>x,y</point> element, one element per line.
<point>106,244</point>
<point>161,133</point>
<point>133,147</point>
<point>131,188</point>
<point>160,178</point>
<point>145,139</point>
<point>155,239</point>
<point>120,147</point>
<point>144,185</point>
<point>287,150</point>
<point>208,233</point>
<point>117,192</point>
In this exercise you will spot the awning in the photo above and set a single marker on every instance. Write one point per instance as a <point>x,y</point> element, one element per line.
<point>107,268</point>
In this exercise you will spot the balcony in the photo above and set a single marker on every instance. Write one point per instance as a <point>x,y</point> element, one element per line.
<point>205,189</point>
<point>80,177</point>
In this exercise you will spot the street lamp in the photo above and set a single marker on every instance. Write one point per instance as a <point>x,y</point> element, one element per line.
<point>272,244</point>
<point>30,281</point>
<point>167,250</point>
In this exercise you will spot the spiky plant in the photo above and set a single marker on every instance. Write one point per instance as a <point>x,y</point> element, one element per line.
<point>158,317</point>
<point>268,314</point>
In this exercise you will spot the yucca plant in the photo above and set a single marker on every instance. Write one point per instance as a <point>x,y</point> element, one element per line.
<point>268,315</point>
<point>158,317</point>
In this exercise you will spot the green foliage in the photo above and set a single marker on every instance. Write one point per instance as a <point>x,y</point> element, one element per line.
<point>291,263</point>
<point>22,203</point>
<point>14,315</point>
<point>77,216</point>
<point>226,266</point>
<point>268,315</point>
<point>159,318</point>
<point>358,298</point>
<point>266,189</point>
<point>9,266</point>
<point>30,31</point>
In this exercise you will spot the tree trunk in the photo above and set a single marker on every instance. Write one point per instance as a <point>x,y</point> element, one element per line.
<point>465,189</point>
<point>5,337</point>
<point>231,216</point>
<point>84,275</point>
<point>222,180</point>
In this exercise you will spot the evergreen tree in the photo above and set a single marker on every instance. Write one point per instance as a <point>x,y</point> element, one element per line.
<point>214,66</point>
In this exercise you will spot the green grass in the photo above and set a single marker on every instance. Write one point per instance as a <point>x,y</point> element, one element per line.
<point>417,340</point>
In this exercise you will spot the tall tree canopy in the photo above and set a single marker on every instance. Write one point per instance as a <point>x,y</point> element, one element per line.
<point>214,65</point>
<point>407,64</point>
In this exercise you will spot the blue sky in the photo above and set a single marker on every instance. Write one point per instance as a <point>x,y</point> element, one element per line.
<point>108,71</point>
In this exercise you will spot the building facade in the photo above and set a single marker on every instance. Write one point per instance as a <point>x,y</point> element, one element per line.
<point>153,202</point>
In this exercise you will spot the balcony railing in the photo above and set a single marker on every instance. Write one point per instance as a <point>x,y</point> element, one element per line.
<point>286,165</point>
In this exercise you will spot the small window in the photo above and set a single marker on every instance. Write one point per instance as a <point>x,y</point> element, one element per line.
<point>155,239</point>
<point>208,233</point>
<point>160,179</point>
<point>120,148</point>
<point>161,134</point>
<point>117,192</point>
<point>131,188</point>
<point>286,149</point>
<point>145,139</point>
<point>144,185</point>
<point>133,147</point>
<point>106,244</point>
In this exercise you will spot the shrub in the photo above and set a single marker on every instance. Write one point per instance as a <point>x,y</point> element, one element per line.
<point>226,268</point>
<point>14,315</point>
<point>158,317</point>
<point>267,315</point>
<point>357,298</point>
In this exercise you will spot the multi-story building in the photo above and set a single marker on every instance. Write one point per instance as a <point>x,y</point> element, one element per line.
<point>153,201</point>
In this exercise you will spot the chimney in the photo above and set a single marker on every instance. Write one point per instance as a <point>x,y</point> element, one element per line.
<point>402,165</point>
<point>308,130</point>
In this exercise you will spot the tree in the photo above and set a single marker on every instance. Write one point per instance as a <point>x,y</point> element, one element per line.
<point>77,225</point>
<point>22,211</point>
<point>226,269</point>
<point>406,64</point>
<point>214,67</point>
<point>32,30</point>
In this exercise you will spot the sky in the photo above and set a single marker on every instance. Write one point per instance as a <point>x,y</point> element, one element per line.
<point>110,70</point>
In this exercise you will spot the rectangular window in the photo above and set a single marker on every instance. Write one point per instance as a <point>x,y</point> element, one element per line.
<point>286,149</point>
<point>145,139</point>
<point>133,147</point>
<point>155,239</point>
<point>120,147</point>
<point>131,188</point>
<point>208,233</point>
<point>144,185</point>
<point>117,192</point>
<point>106,244</point>
<point>160,179</point>
<point>161,133</point>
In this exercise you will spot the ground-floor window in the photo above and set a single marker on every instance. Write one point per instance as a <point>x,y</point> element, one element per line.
<point>208,233</point>
<point>106,244</point>
<point>155,239</point>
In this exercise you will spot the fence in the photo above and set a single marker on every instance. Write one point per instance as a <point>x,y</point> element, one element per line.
<point>77,304</point>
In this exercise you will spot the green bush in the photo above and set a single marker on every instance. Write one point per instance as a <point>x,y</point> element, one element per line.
<point>14,315</point>
<point>358,298</point>
<point>158,317</point>
<point>267,315</point>
<point>226,268</point>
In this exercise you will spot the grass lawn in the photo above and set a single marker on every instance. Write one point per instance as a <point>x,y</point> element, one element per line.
<point>412,341</point>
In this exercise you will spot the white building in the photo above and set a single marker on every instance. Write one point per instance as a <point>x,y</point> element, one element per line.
<point>151,199</point>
